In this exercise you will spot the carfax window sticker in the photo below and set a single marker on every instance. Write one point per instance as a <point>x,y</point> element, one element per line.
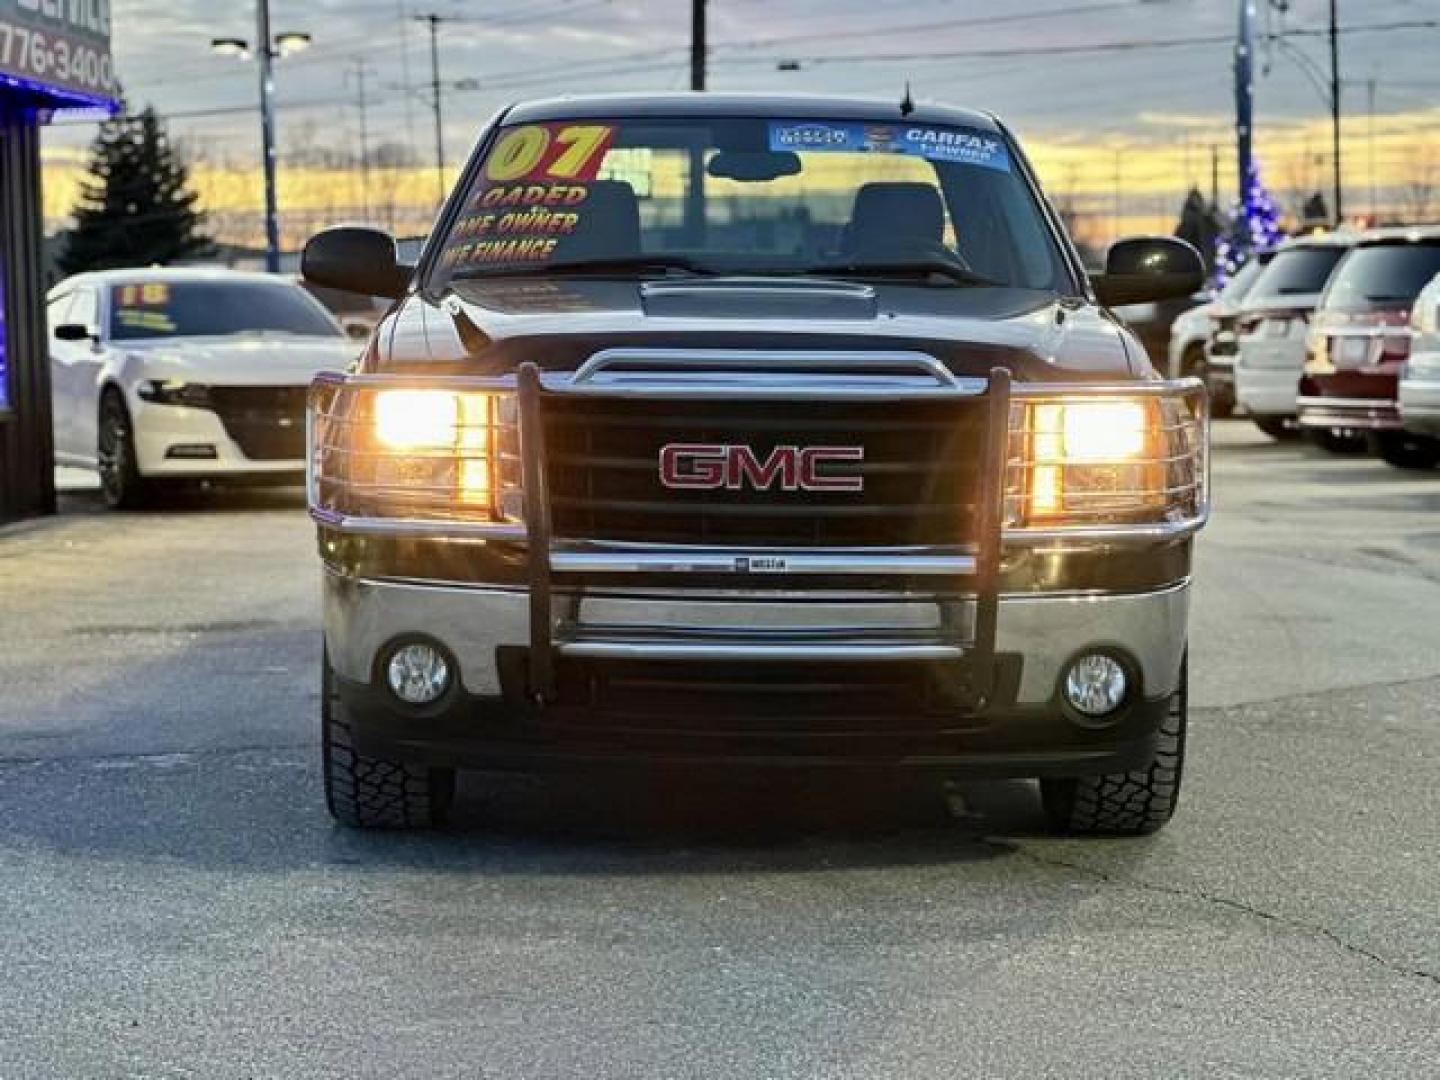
<point>959,145</point>
<point>531,194</point>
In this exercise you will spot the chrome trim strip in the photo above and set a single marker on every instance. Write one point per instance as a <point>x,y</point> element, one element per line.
<point>751,563</point>
<point>1154,388</point>
<point>1334,403</point>
<point>765,361</point>
<point>679,374</point>
<point>367,526</point>
<point>641,649</point>
<point>1107,534</point>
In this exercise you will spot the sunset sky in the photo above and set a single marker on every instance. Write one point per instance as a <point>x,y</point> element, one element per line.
<point>1097,88</point>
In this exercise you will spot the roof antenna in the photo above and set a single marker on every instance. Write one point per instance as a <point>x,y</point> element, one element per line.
<point>907,103</point>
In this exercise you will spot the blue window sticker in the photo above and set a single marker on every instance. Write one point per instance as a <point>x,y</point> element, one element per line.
<point>816,135</point>
<point>961,146</point>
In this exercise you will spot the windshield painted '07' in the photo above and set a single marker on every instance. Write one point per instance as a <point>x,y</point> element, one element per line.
<point>753,196</point>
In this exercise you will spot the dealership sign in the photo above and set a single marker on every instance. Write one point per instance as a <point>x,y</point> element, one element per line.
<point>58,47</point>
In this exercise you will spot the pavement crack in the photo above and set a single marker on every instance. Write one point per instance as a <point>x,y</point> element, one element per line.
<point>1249,910</point>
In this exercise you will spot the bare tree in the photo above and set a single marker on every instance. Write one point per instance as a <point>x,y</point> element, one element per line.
<point>1418,192</point>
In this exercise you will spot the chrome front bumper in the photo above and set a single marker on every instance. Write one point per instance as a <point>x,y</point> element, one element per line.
<point>364,617</point>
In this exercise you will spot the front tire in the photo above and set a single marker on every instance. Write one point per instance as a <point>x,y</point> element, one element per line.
<point>1134,803</point>
<point>1406,451</point>
<point>120,481</point>
<point>374,793</point>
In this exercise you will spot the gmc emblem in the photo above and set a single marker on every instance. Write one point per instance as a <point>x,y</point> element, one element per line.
<point>710,466</point>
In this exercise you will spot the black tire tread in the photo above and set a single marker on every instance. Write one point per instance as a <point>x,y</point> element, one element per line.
<point>1402,450</point>
<point>136,493</point>
<point>1134,803</point>
<point>373,793</point>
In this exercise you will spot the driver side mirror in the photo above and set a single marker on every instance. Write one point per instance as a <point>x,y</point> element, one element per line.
<point>73,332</point>
<point>357,260</point>
<point>1145,269</point>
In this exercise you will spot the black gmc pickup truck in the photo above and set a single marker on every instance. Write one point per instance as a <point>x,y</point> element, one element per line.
<point>737,432</point>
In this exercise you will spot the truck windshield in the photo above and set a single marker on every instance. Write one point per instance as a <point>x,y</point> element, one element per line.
<point>215,309</point>
<point>753,196</point>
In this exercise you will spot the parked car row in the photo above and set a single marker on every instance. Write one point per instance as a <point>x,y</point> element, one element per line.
<point>1332,335</point>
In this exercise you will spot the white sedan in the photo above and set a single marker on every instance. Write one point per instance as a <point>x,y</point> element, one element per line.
<point>185,374</point>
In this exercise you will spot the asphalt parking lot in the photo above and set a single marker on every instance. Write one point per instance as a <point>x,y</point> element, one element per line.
<point>175,902</point>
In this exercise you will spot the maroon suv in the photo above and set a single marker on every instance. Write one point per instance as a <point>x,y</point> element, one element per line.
<point>1361,337</point>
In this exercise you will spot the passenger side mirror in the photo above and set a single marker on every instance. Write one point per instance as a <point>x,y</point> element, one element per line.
<point>73,332</point>
<point>357,260</point>
<point>1144,269</point>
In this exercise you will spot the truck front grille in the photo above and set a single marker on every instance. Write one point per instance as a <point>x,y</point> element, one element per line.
<point>922,468</point>
<point>266,422</point>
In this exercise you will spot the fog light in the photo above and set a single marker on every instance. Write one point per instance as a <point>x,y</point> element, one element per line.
<point>1096,684</point>
<point>418,673</point>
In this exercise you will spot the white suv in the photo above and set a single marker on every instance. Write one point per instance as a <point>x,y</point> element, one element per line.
<point>1272,325</point>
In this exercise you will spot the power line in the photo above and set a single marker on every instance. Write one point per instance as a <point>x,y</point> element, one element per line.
<point>890,30</point>
<point>1135,45</point>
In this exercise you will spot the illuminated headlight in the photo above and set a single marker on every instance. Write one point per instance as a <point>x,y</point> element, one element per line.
<point>1102,461</point>
<point>440,441</point>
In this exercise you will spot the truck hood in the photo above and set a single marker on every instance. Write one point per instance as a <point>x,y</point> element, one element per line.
<point>489,327</point>
<point>250,360</point>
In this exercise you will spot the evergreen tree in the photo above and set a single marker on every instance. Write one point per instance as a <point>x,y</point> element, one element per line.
<point>1200,225</point>
<point>1254,226</point>
<point>136,208</point>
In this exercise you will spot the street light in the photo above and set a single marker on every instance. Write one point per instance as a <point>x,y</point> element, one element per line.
<point>269,49</point>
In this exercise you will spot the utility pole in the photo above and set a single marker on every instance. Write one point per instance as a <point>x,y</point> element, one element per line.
<point>359,73</point>
<point>1370,86</point>
<point>698,48</point>
<point>695,189</point>
<point>1335,105</point>
<point>433,21</point>
<point>1245,95</point>
<point>266,52</point>
<point>1119,159</point>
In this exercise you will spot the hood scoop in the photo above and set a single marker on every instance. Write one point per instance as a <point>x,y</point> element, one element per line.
<point>753,299</point>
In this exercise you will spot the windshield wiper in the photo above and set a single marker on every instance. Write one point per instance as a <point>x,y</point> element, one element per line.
<point>618,264</point>
<point>954,272</point>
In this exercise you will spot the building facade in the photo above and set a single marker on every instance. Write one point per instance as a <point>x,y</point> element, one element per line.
<point>54,58</point>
